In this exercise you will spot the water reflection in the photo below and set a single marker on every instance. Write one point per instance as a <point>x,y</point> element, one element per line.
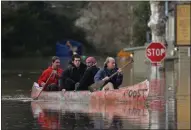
<point>168,106</point>
<point>56,115</point>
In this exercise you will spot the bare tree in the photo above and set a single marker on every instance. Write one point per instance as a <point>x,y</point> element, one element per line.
<point>111,26</point>
<point>157,21</point>
<point>107,25</point>
<point>157,25</point>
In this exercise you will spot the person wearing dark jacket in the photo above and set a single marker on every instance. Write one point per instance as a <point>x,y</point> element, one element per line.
<point>88,77</point>
<point>73,73</point>
<point>108,70</point>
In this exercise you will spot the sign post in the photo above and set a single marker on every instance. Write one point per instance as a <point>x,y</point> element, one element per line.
<point>156,52</point>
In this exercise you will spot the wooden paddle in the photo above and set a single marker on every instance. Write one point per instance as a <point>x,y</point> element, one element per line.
<point>99,84</point>
<point>43,87</point>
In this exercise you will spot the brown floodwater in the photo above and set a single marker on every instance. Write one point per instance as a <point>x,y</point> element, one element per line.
<point>167,107</point>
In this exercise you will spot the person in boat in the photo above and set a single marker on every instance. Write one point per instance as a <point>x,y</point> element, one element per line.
<point>51,75</point>
<point>103,74</point>
<point>88,77</point>
<point>73,73</point>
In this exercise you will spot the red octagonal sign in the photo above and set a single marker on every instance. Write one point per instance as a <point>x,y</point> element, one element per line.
<point>155,52</point>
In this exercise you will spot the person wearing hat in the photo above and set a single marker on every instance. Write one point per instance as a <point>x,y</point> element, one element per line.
<point>88,77</point>
<point>109,69</point>
<point>50,76</point>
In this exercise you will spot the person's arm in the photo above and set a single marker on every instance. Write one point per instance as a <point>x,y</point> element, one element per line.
<point>65,74</point>
<point>42,79</point>
<point>119,79</point>
<point>85,77</point>
<point>59,73</point>
<point>98,76</point>
<point>65,78</point>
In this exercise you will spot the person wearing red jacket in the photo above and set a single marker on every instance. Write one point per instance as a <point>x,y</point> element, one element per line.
<point>51,75</point>
<point>49,120</point>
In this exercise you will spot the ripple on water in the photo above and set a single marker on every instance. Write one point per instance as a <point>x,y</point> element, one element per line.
<point>16,98</point>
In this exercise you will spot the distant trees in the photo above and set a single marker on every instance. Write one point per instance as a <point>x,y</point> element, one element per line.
<point>115,25</point>
<point>32,28</point>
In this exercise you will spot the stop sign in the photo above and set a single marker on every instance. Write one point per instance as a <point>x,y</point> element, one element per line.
<point>155,52</point>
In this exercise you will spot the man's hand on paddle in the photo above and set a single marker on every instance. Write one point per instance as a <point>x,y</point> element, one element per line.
<point>55,73</point>
<point>77,86</point>
<point>43,84</point>
<point>106,78</point>
<point>119,70</point>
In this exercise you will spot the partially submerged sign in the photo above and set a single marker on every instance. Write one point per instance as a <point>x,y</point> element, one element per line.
<point>182,24</point>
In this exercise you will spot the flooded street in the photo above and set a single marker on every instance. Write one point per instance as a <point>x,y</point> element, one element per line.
<point>144,49</point>
<point>167,107</point>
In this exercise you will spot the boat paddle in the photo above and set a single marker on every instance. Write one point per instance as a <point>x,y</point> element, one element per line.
<point>99,84</point>
<point>44,86</point>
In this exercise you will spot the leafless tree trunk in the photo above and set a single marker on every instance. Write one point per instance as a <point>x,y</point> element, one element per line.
<point>107,25</point>
<point>157,24</point>
<point>113,25</point>
<point>157,21</point>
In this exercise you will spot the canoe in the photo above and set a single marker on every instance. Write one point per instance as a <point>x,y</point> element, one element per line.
<point>137,92</point>
<point>135,113</point>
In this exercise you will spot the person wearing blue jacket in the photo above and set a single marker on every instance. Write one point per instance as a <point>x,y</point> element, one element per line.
<point>104,73</point>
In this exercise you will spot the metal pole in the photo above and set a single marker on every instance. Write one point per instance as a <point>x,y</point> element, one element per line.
<point>166,101</point>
